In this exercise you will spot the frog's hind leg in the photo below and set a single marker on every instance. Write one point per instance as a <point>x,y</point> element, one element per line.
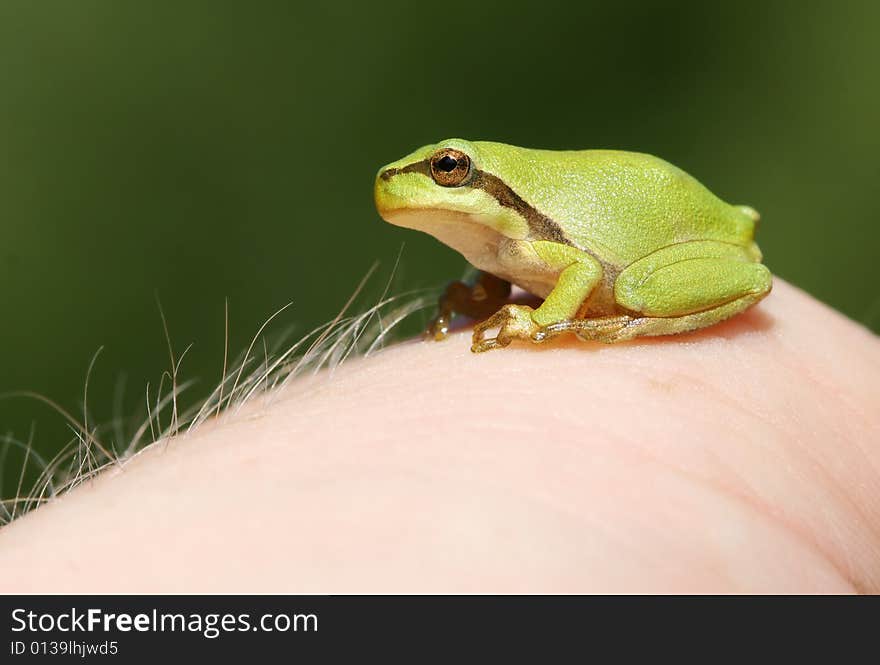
<point>648,326</point>
<point>679,288</point>
<point>479,301</point>
<point>620,329</point>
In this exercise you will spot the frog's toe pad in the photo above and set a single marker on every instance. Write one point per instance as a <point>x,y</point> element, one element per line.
<point>513,322</point>
<point>438,329</point>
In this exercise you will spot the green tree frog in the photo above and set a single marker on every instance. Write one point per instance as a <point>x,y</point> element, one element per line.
<point>618,244</point>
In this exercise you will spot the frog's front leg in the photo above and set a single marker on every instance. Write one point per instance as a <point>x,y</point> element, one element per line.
<point>476,302</point>
<point>578,275</point>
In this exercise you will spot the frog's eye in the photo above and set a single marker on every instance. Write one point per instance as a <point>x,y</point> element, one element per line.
<point>450,167</point>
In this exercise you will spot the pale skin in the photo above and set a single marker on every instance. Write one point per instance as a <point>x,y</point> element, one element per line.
<point>740,458</point>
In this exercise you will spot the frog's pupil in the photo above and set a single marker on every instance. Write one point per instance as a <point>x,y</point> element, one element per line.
<point>447,163</point>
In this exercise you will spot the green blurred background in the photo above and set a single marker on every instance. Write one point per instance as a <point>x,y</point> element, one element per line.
<point>209,150</point>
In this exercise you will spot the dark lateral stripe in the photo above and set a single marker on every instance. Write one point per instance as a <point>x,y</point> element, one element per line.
<point>541,227</point>
<point>423,167</point>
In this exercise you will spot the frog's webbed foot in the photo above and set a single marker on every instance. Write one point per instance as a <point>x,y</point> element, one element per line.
<point>516,322</point>
<point>476,302</point>
<point>513,322</point>
<point>602,329</point>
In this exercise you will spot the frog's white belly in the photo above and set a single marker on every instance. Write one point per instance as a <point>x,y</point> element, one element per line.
<point>483,247</point>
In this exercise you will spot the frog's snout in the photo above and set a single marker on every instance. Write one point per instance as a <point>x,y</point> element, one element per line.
<point>382,195</point>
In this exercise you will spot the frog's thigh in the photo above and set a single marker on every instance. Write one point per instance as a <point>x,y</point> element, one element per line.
<point>579,273</point>
<point>691,278</point>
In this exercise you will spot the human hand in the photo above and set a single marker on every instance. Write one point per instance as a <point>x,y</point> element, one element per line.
<point>740,458</point>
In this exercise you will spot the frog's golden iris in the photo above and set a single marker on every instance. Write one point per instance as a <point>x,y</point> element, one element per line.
<point>450,167</point>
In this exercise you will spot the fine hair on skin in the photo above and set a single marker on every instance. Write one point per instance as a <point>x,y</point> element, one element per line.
<point>260,371</point>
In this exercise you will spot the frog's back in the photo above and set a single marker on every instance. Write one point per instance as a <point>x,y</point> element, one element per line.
<point>619,205</point>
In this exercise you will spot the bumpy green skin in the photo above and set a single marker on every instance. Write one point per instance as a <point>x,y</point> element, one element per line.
<point>619,244</point>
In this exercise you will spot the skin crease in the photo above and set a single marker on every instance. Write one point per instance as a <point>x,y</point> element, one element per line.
<point>740,458</point>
